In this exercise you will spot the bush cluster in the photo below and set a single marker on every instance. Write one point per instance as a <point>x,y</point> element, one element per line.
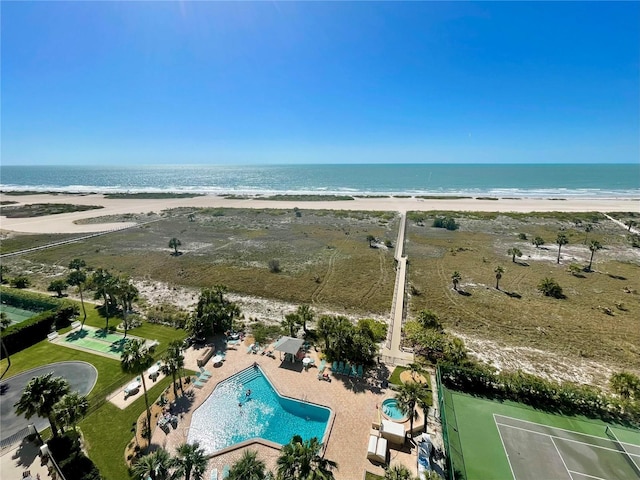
<point>446,222</point>
<point>566,398</point>
<point>68,454</point>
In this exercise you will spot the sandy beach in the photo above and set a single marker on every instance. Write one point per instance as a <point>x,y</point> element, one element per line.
<point>65,223</point>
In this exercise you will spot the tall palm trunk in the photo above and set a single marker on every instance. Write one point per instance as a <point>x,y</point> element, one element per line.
<point>591,259</point>
<point>6,354</point>
<point>84,310</point>
<point>54,427</point>
<point>559,248</point>
<point>106,312</point>
<point>146,402</point>
<point>175,389</point>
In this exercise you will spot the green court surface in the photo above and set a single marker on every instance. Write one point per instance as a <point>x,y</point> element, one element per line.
<point>17,315</point>
<point>506,440</point>
<point>90,338</point>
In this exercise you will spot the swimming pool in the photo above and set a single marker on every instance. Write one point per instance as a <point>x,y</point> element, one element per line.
<point>392,410</point>
<point>229,416</point>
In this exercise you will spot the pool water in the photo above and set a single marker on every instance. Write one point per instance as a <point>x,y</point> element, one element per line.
<point>229,416</point>
<point>390,409</point>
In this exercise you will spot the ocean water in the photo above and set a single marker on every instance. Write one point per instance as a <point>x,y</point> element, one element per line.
<point>549,181</point>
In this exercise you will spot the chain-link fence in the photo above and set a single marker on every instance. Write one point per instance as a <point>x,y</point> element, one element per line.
<point>453,447</point>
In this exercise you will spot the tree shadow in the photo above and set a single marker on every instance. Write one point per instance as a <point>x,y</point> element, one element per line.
<point>616,277</point>
<point>176,254</point>
<point>512,294</point>
<point>27,452</point>
<point>521,263</point>
<point>463,293</point>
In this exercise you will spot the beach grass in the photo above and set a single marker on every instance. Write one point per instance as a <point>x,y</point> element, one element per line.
<point>324,256</point>
<point>518,314</point>
<point>43,209</point>
<point>151,195</point>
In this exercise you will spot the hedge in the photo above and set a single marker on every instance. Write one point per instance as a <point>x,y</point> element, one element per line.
<point>27,300</point>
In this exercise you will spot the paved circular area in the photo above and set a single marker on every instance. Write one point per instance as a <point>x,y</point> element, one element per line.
<point>81,376</point>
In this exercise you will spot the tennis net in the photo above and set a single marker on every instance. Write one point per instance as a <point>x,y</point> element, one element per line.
<point>620,446</point>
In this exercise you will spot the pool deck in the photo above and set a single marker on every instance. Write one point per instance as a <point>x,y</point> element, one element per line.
<point>353,401</point>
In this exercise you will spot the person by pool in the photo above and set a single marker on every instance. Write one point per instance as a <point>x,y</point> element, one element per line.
<point>248,393</point>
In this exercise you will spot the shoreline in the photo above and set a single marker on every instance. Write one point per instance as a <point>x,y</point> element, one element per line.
<point>64,223</point>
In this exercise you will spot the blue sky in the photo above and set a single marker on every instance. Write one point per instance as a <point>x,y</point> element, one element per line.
<point>249,83</point>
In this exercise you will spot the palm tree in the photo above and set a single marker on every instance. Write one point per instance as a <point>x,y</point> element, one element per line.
<point>291,322</point>
<point>514,252</point>
<point>58,286</point>
<point>189,459</point>
<point>154,466</point>
<point>537,241</point>
<point>135,359</point>
<point>499,271</point>
<point>594,246</point>
<point>324,329</point>
<point>248,467</point>
<point>371,239</point>
<point>173,362</point>
<point>301,460</point>
<point>71,409</point>
<point>3,271</point>
<point>587,228</point>
<point>126,292</point>
<point>78,278</point>
<point>455,278</point>
<point>174,243</point>
<point>408,396</point>
<point>629,223</point>
<point>397,472</point>
<point>103,283</point>
<point>39,397</point>
<point>561,240</point>
<point>305,315</point>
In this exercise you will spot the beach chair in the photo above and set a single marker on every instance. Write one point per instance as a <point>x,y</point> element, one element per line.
<point>354,371</point>
<point>340,367</point>
<point>334,367</point>
<point>198,384</point>
<point>225,472</point>
<point>347,369</point>
<point>322,365</point>
<point>204,373</point>
<point>360,371</point>
<point>214,474</point>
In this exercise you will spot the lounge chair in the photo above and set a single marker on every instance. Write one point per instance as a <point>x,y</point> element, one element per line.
<point>340,367</point>
<point>225,472</point>
<point>323,363</point>
<point>214,474</point>
<point>347,369</point>
<point>360,371</point>
<point>334,367</point>
<point>354,371</point>
<point>198,384</point>
<point>377,449</point>
<point>204,373</point>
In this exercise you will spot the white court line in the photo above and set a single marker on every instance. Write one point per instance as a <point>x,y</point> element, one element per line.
<point>563,429</point>
<point>504,448</point>
<point>560,455</point>
<point>587,475</point>
<point>568,439</point>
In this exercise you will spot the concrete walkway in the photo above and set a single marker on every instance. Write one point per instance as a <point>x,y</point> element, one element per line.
<point>392,352</point>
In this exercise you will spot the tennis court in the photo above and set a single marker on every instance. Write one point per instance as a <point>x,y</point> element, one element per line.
<point>15,314</point>
<point>496,440</point>
<point>537,451</point>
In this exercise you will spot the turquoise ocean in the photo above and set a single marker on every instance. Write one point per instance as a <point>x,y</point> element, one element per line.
<point>543,181</point>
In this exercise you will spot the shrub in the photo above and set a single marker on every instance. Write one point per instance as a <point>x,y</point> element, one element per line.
<point>167,314</point>
<point>446,222</point>
<point>522,236</point>
<point>70,458</point>
<point>550,288</point>
<point>20,282</point>
<point>274,266</point>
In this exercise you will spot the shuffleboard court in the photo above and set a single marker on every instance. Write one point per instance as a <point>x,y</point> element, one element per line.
<point>94,340</point>
<point>81,376</point>
<point>537,451</point>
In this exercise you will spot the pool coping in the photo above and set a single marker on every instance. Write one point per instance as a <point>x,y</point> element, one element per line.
<point>264,441</point>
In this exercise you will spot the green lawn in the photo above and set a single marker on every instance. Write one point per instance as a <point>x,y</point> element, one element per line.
<point>107,429</point>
